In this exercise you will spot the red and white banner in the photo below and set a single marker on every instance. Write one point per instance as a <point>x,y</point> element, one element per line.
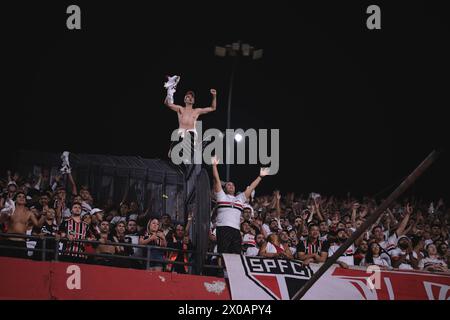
<point>253,278</point>
<point>26,279</point>
<point>249,278</point>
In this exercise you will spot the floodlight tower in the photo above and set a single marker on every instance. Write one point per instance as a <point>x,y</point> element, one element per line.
<point>235,51</point>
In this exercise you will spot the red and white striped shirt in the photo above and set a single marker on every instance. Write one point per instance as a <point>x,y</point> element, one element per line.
<point>79,230</point>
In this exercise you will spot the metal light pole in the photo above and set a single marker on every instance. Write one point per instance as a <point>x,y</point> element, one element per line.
<point>235,50</point>
<point>230,93</point>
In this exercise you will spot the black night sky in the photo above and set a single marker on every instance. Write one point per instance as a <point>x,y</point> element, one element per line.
<point>357,109</point>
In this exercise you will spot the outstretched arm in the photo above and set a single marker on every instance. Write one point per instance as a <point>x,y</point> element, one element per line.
<point>262,173</point>
<point>37,186</point>
<point>391,215</point>
<point>317,209</point>
<point>213,104</point>
<point>73,185</point>
<point>401,228</point>
<point>355,207</point>
<point>169,103</point>
<point>277,205</point>
<point>188,225</point>
<point>217,184</point>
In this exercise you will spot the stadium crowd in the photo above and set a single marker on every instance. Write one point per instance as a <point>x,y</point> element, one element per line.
<point>45,207</point>
<point>411,234</point>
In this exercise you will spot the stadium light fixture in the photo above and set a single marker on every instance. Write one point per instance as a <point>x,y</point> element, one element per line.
<point>235,50</point>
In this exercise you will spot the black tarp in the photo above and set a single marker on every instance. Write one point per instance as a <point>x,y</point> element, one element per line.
<point>152,183</point>
<point>149,182</point>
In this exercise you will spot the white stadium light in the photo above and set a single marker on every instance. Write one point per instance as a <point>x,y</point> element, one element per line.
<point>238,137</point>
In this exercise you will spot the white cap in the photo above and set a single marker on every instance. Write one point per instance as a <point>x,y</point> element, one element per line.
<point>12,182</point>
<point>95,210</point>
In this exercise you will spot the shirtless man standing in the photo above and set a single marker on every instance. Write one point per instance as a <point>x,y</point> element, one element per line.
<point>104,248</point>
<point>188,115</point>
<point>17,223</point>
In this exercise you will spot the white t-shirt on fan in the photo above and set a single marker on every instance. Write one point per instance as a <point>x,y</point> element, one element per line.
<point>390,242</point>
<point>428,261</point>
<point>397,252</point>
<point>346,257</point>
<point>229,209</point>
<point>382,260</point>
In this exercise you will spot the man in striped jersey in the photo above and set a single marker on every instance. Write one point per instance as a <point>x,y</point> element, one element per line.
<point>229,210</point>
<point>313,249</point>
<point>74,229</point>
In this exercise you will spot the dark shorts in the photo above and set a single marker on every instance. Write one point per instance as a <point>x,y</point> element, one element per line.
<point>12,251</point>
<point>228,240</point>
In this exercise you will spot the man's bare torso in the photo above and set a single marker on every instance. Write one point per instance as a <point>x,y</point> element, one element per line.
<point>104,248</point>
<point>187,118</point>
<point>18,222</point>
